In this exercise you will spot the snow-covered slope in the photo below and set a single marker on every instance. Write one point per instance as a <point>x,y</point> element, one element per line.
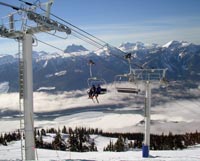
<point>176,44</point>
<point>6,59</point>
<point>12,152</point>
<point>129,47</point>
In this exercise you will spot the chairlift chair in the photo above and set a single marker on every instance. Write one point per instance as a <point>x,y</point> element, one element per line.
<point>126,84</point>
<point>96,81</point>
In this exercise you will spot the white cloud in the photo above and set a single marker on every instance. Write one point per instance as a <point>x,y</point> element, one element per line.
<point>55,102</point>
<point>115,112</point>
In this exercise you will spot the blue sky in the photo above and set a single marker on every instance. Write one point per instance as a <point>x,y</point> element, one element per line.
<point>118,21</point>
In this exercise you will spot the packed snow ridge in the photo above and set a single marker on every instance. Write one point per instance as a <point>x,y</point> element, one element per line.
<point>176,44</point>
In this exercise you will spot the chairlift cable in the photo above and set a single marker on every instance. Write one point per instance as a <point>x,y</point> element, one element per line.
<point>87,41</point>
<point>72,26</point>
<point>50,45</point>
<point>75,27</point>
<point>90,39</point>
<point>72,55</point>
<point>123,58</point>
<point>11,6</point>
<point>80,30</point>
<point>17,8</point>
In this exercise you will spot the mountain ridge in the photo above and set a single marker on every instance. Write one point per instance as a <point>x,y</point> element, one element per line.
<point>62,70</point>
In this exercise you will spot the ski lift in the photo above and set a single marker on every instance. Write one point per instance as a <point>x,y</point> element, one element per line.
<point>126,83</point>
<point>94,81</point>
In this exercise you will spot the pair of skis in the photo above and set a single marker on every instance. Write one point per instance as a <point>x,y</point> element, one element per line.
<point>93,99</point>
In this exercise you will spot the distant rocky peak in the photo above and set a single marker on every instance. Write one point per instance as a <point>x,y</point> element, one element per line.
<point>74,48</point>
<point>37,54</point>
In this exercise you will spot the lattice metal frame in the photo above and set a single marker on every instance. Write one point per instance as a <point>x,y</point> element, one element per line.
<point>151,75</point>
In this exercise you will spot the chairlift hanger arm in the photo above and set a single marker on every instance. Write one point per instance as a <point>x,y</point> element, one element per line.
<point>43,23</point>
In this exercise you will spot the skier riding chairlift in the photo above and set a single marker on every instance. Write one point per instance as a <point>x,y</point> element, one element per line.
<point>94,92</point>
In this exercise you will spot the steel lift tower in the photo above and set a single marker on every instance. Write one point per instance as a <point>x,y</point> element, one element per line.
<point>148,77</point>
<point>31,23</point>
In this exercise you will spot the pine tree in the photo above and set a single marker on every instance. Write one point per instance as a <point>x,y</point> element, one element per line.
<point>64,130</point>
<point>119,145</point>
<point>56,143</point>
<point>43,132</point>
<point>73,143</point>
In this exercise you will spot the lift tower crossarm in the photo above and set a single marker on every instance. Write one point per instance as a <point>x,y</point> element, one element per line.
<point>44,24</point>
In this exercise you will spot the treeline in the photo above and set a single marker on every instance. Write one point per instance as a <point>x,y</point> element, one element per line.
<point>126,141</point>
<point>123,144</point>
<point>157,142</point>
<point>174,141</point>
<point>79,140</point>
<point>8,137</point>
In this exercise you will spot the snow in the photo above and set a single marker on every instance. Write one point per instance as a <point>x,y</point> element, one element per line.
<point>58,74</point>
<point>49,75</point>
<point>45,64</point>
<point>4,87</point>
<point>61,73</point>
<point>13,152</point>
<point>128,47</point>
<point>46,89</point>
<point>6,59</point>
<point>115,113</point>
<point>74,54</point>
<point>101,120</point>
<point>101,141</point>
<point>174,43</point>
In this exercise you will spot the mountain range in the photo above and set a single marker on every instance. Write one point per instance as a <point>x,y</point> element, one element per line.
<point>69,70</point>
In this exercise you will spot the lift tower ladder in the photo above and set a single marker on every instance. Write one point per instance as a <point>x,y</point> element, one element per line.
<point>21,96</point>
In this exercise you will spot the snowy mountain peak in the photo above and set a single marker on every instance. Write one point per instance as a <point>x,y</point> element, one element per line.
<point>131,46</point>
<point>36,54</point>
<point>127,47</point>
<point>176,44</point>
<point>108,50</point>
<point>75,48</point>
<point>4,59</point>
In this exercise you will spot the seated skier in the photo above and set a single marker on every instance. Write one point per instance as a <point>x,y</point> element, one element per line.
<point>92,91</point>
<point>98,90</point>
